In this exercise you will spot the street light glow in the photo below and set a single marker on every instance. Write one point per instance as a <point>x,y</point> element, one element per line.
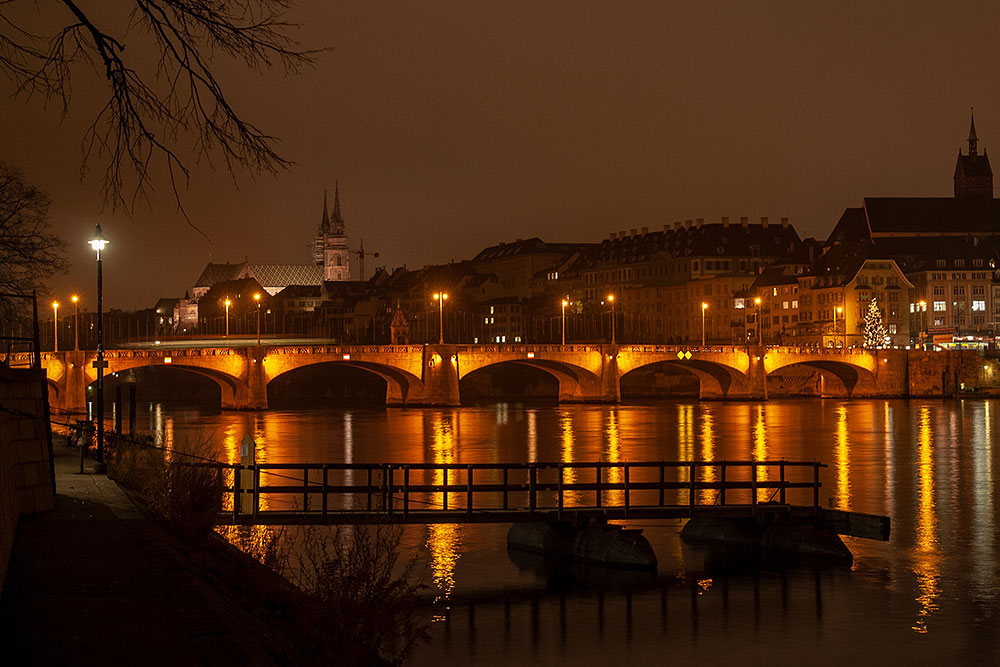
<point>98,241</point>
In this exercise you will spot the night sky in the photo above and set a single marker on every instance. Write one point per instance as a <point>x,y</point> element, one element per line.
<point>456,125</point>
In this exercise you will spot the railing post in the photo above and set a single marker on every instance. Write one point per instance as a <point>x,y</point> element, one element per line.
<point>781,476</point>
<point>532,475</point>
<point>236,490</point>
<point>468,500</point>
<point>305,489</point>
<point>505,479</point>
<point>369,488</point>
<point>597,474</point>
<point>406,491</point>
<point>444,472</point>
<point>559,491</point>
<point>256,493</point>
<point>722,491</point>
<point>326,471</point>
<point>753,482</point>
<point>816,484</point>
<point>662,479</point>
<point>627,489</point>
<point>387,489</point>
<point>691,476</point>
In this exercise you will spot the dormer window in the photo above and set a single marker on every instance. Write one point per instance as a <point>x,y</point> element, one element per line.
<point>940,263</point>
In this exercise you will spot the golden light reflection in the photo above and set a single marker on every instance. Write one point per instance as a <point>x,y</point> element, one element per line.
<point>759,451</point>
<point>708,473</point>
<point>925,562</point>
<point>532,435</point>
<point>685,432</point>
<point>888,459</point>
<point>843,456</point>
<point>443,540</point>
<point>613,454</point>
<point>566,445</point>
<point>984,562</point>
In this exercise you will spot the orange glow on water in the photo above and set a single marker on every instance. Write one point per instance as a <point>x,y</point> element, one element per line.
<point>925,565</point>
<point>444,541</point>
<point>842,451</point>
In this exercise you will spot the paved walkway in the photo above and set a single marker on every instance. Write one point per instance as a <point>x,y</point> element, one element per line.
<point>93,582</point>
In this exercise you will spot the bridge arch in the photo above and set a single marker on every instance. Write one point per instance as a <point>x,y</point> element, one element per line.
<point>400,385</point>
<point>573,382</point>
<point>855,370</point>
<point>231,389</point>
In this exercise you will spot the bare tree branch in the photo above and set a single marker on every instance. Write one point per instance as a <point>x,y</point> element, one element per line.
<point>151,119</point>
<point>29,252</point>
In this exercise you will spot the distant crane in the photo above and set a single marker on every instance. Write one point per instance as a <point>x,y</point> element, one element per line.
<point>361,258</point>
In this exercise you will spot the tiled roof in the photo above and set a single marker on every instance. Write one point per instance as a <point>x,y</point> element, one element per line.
<point>932,215</point>
<point>215,273</point>
<point>282,275</point>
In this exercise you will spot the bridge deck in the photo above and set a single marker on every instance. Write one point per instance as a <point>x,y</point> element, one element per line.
<point>309,493</point>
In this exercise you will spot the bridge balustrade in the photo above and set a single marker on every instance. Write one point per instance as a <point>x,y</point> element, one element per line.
<point>299,493</point>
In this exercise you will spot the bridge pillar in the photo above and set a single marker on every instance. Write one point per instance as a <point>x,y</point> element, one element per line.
<point>756,374</point>
<point>611,386</point>
<point>440,377</point>
<point>256,398</point>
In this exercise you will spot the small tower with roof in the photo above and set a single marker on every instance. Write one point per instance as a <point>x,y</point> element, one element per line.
<point>330,247</point>
<point>973,175</point>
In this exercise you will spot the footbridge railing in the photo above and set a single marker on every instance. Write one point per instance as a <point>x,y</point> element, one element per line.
<point>422,493</point>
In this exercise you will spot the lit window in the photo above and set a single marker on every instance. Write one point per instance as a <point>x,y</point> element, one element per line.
<point>978,305</point>
<point>940,306</point>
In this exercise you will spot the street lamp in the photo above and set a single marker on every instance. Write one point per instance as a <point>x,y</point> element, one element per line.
<point>922,323</point>
<point>704,307</point>
<point>565,303</point>
<point>76,321</point>
<point>611,300</point>
<point>756,302</point>
<point>440,298</point>
<point>55,325</point>
<point>228,302</point>
<point>836,310</point>
<point>97,242</point>
<point>256,297</point>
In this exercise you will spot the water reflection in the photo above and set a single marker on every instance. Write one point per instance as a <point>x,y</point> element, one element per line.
<point>707,453</point>
<point>925,565</point>
<point>443,540</point>
<point>842,452</point>
<point>931,465</point>
<point>613,454</point>
<point>760,446</point>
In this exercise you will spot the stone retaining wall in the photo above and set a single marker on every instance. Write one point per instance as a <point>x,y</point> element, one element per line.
<point>25,466</point>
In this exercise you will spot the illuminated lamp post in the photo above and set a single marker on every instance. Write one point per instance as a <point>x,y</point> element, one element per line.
<point>76,321</point>
<point>440,298</point>
<point>565,303</point>
<point>611,300</point>
<point>836,310</point>
<point>704,307</point>
<point>256,297</point>
<point>922,323</point>
<point>55,325</point>
<point>756,302</point>
<point>97,242</point>
<point>228,303</point>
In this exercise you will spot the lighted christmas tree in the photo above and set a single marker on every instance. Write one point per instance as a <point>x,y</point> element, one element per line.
<point>874,329</point>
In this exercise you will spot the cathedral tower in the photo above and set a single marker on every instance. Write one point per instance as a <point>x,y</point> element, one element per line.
<point>330,246</point>
<point>973,175</point>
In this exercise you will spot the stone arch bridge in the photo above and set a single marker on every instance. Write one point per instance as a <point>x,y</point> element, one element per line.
<point>418,375</point>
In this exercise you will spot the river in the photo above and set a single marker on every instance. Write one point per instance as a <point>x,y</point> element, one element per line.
<point>929,595</point>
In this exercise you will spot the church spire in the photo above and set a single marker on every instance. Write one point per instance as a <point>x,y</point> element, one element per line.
<point>338,220</point>
<point>324,226</point>
<point>972,132</point>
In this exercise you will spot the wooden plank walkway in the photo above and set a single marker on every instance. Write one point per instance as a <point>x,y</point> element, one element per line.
<point>426,493</point>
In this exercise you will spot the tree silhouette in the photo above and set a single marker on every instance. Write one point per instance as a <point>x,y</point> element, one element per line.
<point>158,108</point>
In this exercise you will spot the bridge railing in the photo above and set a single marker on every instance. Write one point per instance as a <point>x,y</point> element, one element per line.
<point>400,490</point>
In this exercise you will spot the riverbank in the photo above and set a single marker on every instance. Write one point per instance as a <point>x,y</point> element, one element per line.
<point>95,581</point>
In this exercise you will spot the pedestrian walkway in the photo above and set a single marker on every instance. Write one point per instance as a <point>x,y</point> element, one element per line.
<point>93,582</point>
